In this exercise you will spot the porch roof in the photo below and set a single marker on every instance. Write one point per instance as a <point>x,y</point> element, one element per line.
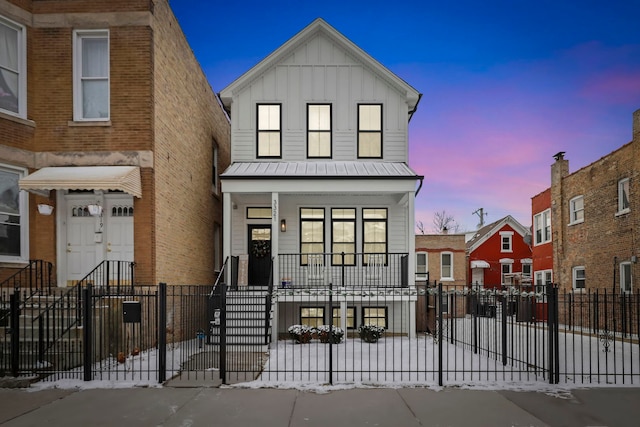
<point>123,178</point>
<point>320,169</point>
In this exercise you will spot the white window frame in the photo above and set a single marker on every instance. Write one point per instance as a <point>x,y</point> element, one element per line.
<point>503,263</point>
<point>450,277</point>
<point>623,188</point>
<point>575,278</point>
<point>575,212</point>
<point>542,277</point>
<point>420,275</point>
<point>21,50</point>
<point>78,97</point>
<point>527,262</point>
<point>23,200</point>
<point>506,237</point>
<point>626,275</point>
<point>542,224</point>
<point>215,169</point>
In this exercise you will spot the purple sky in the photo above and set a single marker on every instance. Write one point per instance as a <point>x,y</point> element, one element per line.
<point>505,84</point>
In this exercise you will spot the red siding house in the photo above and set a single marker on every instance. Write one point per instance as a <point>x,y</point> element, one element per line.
<point>500,254</point>
<point>542,249</point>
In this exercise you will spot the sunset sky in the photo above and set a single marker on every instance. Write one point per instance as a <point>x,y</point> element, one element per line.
<point>505,84</point>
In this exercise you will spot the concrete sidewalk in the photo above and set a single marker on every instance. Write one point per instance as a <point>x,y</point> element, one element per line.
<point>200,406</point>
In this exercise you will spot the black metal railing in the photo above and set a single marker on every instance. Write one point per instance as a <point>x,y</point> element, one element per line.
<point>352,270</point>
<point>34,277</point>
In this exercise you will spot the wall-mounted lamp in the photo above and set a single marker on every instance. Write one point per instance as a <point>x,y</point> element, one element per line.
<point>94,210</point>
<point>283,225</point>
<point>45,209</point>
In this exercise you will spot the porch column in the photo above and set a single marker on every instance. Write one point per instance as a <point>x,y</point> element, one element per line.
<point>275,236</point>
<point>226,233</point>
<point>411,262</point>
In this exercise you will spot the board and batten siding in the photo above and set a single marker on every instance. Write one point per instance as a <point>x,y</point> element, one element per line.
<point>319,72</point>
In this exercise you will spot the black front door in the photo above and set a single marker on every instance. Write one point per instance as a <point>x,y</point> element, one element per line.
<point>259,254</point>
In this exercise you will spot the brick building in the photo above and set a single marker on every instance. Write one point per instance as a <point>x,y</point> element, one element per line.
<point>595,219</point>
<point>102,103</point>
<point>441,258</point>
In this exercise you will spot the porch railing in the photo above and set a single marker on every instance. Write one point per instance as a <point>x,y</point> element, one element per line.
<point>353,270</point>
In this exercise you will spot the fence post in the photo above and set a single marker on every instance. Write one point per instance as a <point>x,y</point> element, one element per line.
<point>223,332</point>
<point>503,328</point>
<point>440,334</point>
<point>14,304</point>
<point>87,333</point>
<point>331,333</point>
<point>552,316</point>
<point>162,332</point>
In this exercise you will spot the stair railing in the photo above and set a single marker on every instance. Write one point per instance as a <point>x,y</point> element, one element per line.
<point>35,276</point>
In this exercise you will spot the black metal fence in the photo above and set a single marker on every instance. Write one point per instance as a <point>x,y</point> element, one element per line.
<point>430,334</point>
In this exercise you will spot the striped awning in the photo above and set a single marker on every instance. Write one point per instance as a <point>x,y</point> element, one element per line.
<point>121,178</point>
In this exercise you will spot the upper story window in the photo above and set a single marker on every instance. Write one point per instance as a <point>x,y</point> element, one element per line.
<point>14,235</point>
<point>91,75</point>
<point>526,267</point>
<point>506,241</point>
<point>579,278</point>
<point>542,227</point>
<point>370,131</point>
<point>269,131</point>
<point>446,266</point>
<point>623,196</point>
<point>576,210</point>
<point>215,168</point>
<point>319,130</point>
<point>13,68</point>
<point>422,265</point>
<point>343,235</point>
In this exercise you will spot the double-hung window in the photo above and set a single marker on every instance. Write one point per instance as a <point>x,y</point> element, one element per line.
<point>576,210</point>
<point>626,283</point>
<point>370,131</point>
<point>376,316</point>
<point>374,235</point>
<point>506,238</point>
<point>269,131</point>
<point>446,266</point>
<point>422,259</point>
<point>13,68</point>
<point>542,227</point>
<point>506,269</point>
<point>311,232</point>
<point>14,234</point>
<point>343,236</point>
<point>319,130</point>
<point>623,196</point>
<point>91,75</point>
<point>579,278</point>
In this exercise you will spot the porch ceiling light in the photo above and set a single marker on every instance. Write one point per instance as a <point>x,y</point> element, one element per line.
<point>283,225</point>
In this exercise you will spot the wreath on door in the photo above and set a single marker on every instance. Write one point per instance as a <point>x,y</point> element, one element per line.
<point>260,248</point>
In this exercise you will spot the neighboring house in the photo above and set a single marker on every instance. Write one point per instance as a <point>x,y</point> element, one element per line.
<point>500,254</point>
<point>595,218</point>
<point>319,150</point>
<point>104,104</point>
<point>542,239</point>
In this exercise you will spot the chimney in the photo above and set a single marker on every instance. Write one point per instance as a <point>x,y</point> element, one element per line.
<point>636,125</point>
<point>445,230</point>
<point>560,168</point>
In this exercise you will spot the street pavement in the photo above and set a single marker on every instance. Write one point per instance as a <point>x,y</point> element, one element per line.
<point>234,406</point>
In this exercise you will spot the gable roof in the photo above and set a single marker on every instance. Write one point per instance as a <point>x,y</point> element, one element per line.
<point>319,26</point>
<point>483,234</point>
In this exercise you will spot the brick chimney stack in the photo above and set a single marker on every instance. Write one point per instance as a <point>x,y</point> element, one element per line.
<point>636,125</point>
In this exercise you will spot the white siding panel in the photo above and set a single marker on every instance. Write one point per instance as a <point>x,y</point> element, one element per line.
<point>343,145</point>
<point>294,145</point>
<point>319,85</point>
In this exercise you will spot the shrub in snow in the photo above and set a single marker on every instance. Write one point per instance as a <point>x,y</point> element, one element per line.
<point>370,333</point>
<point>327,334</point>
<point>301,333</point>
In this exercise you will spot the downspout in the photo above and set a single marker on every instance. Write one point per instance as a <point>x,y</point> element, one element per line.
<point>421,178</point>
<point>415,107</point>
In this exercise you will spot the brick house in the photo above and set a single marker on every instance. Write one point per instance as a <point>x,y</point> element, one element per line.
<point>104,104</point>
<point>595,220</point>
<point>500,254</point>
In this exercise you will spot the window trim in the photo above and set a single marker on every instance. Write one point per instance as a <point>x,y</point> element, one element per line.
<point>377,307</point>
<point>360,131</point>
<point>442,276</point>
<point>354,221</point>
<point>574,271</point>
<point>258,131</point>
<point>78,96</point>
<point>505,262</point>
<point>23,201</point>
<point>364,235</point>
<point>330,131</point>
<point>21,50</point>
<point>628,264</point>
<point>320,308</point>
<point>544,218</point>
<point>215,169</point>
<point>248,214</point>
<point>421,276</point>
<point>303,258</point>
<point>621,183</point>
<point>509,236</point>
<point>573,210</point>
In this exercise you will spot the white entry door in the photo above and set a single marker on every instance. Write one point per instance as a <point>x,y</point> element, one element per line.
<point>477,276</point>
<point>119,228</point>
<point>82,251</point>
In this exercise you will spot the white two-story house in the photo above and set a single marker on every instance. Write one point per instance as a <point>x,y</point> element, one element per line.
<point>319,192</point>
